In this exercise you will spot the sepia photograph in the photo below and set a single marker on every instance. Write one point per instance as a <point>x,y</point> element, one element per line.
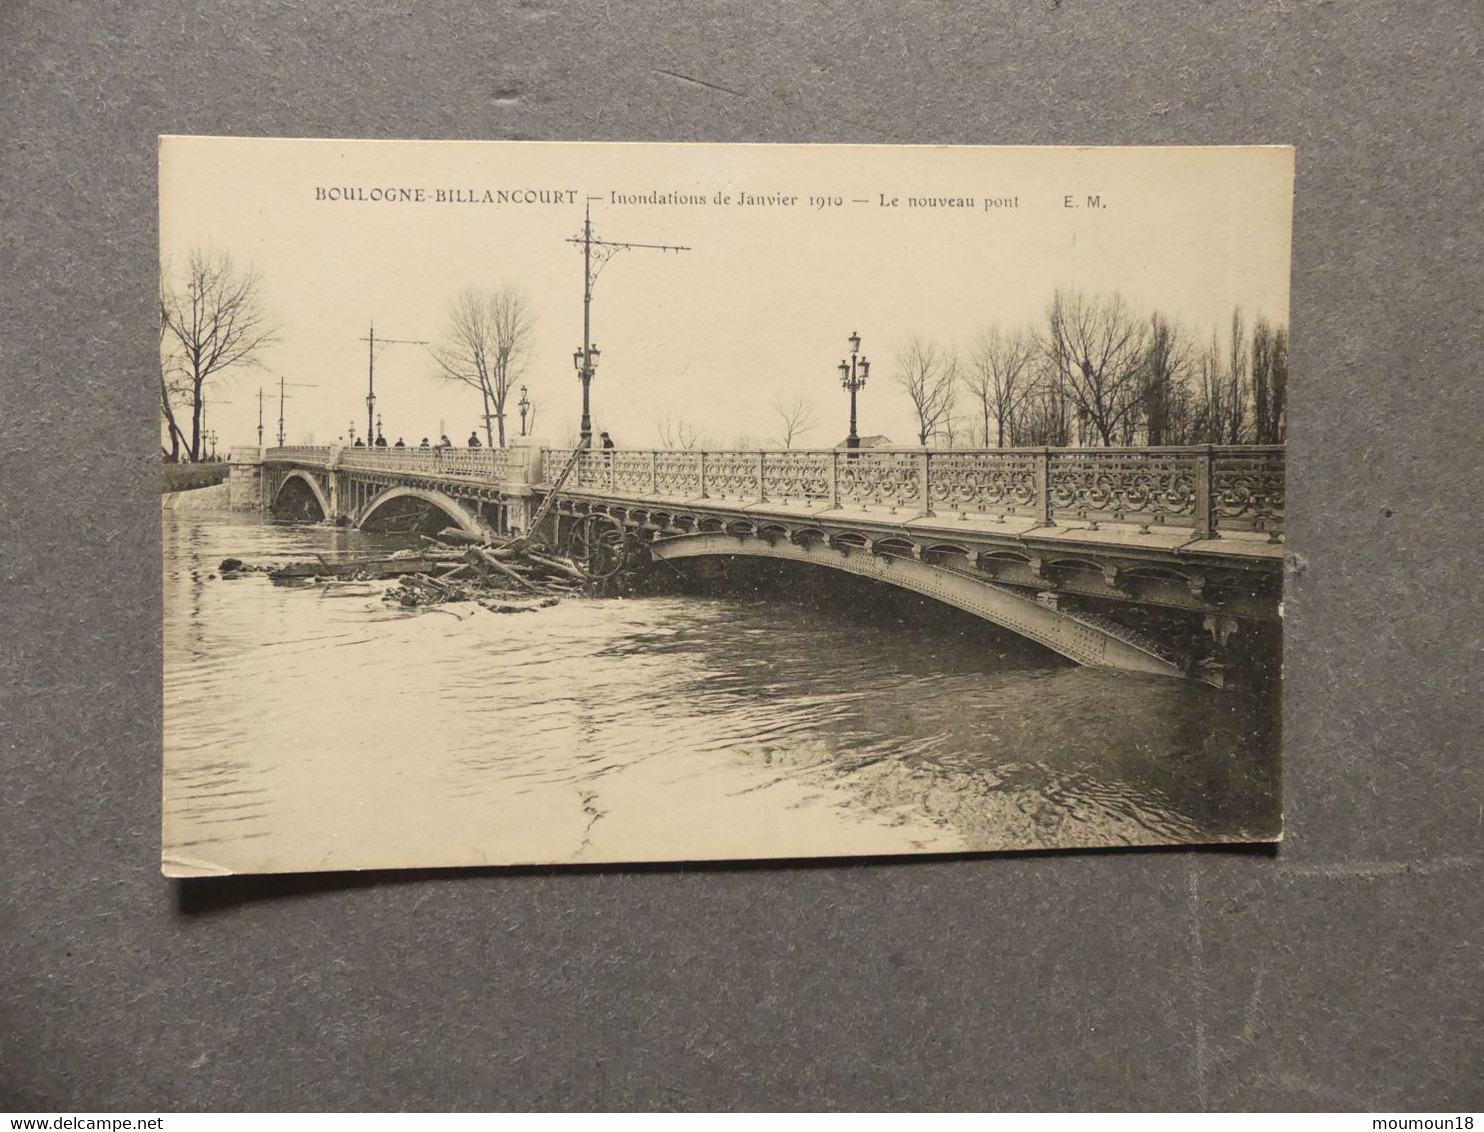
<point>573,503</point>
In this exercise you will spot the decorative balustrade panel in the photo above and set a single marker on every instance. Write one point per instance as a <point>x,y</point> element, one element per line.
<point>892,479</point>
<point>309,453</point>
<point>677,475</point>
<point>797,476</point>
<point>553,460</point>
<point>632,472</point>
<point>1247,489</point>
<point>732,475</point>
<point>1148,487</point>
<point>985,483</point>
<point>465,463</point>
<point>594,471</point>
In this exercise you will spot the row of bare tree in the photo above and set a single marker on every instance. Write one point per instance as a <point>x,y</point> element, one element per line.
<point>1096,373</point>
<point>213,318</point>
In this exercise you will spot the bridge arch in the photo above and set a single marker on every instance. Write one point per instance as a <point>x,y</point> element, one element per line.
<point>1083,640</point>
<point>445,503</point>
<point>325,510</point>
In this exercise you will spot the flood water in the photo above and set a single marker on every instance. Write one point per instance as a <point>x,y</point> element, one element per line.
<point>313,727</point>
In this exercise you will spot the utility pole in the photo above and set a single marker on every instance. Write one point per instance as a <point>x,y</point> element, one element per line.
<point>372,341</point>
<point>596,253</point>
<point>283,384</point>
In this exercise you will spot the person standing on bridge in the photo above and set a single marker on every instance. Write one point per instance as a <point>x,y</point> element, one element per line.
<point>606,439</point>
<point>444,442</point>
<point>424,444</point>
<point>474,440</point>
<point>399,443</point>
<point>360,443</point>
<point>380,441</point>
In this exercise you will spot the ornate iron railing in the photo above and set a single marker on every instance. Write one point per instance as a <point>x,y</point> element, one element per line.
<point>309,453</point>
<point>465,463</point>
<point>1203,489</point>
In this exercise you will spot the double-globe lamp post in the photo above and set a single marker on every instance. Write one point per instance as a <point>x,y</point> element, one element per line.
<point>525,407</point>
<point>853,377</point>
<point>585,359</point>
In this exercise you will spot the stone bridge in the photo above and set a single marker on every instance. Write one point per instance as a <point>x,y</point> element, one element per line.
<point>1110,556</point>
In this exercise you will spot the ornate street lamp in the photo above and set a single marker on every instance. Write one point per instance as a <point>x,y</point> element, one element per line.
<point>378,427</point>
<point>585,360</point>
<point>853,377</point>
<point>525,407</point>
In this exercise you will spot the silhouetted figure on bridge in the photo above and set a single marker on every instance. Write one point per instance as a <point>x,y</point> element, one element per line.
<point>360,443</point>
<point>424,444</point>
<point>474,440</point>
<point>399,443</point>
<point>606,439</point>
<point>444,442</point>
<point>380,441</point>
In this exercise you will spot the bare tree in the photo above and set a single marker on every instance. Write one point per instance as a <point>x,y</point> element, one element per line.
<point>678,433</point>
<point>1236,382</point>
<point>485,346</point>
<point>796,416</point>
<point>951,429</point>
<point>1269,379</point>
<point>1096,350</point>
<point>1000,377</point>
<point>169,387</point>
<point>929,376</point>
<point>1043,417</point>
<point>1209,421</point>
<point>1279,378</point>
<point>1166,368</point>
<point>212,322</point>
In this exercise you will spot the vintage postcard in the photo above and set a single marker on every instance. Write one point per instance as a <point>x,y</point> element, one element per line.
<point>551,503</point>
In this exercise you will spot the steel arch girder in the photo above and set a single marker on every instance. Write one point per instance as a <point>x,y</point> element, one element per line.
<point>1074,639</point>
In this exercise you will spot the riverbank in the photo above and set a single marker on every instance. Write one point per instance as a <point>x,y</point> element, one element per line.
<point>191,477</point>
<point>216,497</point>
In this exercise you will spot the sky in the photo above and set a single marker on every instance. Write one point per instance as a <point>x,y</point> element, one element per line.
<point>758,310</point>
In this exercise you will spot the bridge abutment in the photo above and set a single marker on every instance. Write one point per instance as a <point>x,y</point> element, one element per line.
<point>523,473</point>
<point>245,480</point>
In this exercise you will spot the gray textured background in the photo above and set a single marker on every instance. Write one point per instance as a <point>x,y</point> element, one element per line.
<point>1341,971</point>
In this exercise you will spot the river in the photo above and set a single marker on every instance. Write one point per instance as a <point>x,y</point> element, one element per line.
<point>314,727</point>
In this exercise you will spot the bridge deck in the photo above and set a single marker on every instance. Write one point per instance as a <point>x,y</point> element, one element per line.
<point>1211,504</point>
<point>1243,548</point>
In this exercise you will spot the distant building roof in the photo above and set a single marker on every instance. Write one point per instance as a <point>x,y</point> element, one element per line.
<point>870,442</point>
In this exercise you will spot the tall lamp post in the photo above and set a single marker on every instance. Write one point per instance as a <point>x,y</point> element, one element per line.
<point>525,407</point>
<point>853,377</point>
<point>371,343</point>
<point>595,253</point>
<point>585,359</point>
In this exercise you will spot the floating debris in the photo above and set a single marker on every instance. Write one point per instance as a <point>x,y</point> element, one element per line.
<point>510,575</point>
